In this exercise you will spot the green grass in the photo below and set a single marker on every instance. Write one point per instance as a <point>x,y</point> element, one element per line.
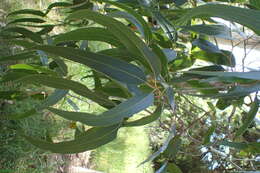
<point>16,153</point>
<point>125,153</point>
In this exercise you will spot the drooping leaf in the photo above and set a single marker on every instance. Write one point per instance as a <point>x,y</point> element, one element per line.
<point>31,20</point>
<point>203,87</point>
<point>72,104</point>
<point>223,58</point>
<point>163,147</point>
<point>130,18</point>
<point>162,168</point>
<point>51,100</point>
<point>25,33</point>
<point>114,89</point>
<point>89,140</point>
<point>145,120</point>
<point>243,16</point>
<point>170,97</point>
<point>43,57</point>
<point>57,4</point>
<point>235,92</point>
<point>125,35</point>
<point>170,54</point>
<point>112,116</point>
<point>163,58</point>
<point>188,76</point>
<point>166,26</point>
<point>249,118</point>
<point>91,34</point>
<point>134,89</point>
<point>146,30</point>
<point>206,45</point>
<point>66,84</point>
<point>19,56</point>
<point>114,68</point>
<point>219,31</point>
<point>255,75</point>
<point>120,53</point>
<point>14,75</point>
<point>36,68</point>
<point>223,103</point>
<point>162,41</point>
<point>23,43</point>
<point>27,11</point>
<point>173,147</point>
<point>63,68</point>
<point>46,29</point>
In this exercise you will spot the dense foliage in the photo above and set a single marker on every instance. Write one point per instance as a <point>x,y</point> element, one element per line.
<point>158,57</point>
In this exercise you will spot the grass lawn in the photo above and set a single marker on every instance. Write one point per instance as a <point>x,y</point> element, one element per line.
<point>125,153</point>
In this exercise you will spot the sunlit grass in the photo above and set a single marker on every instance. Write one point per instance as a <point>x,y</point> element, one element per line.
<point>125,153</point>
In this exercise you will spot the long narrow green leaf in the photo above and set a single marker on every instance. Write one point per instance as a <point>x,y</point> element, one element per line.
<point>222,58</point>
<point>51,100</point>
<point>57,4</point>
<point>145,120</point>
<point>249,118</point>
<point>19,56</point>
<point>163,59</point>
<point>63,68</point>
<point>91,34</point>
<point>125,35</point>
<point>166,26</point>
<point>130,18</point>
<point>66,84</point>
<point>36,68</point>
<point>113,116</point>
<point>235,92</point>
<point>147,31</point>
<point>120,53</point>
<point>31,20</point>
<point>114,68</point>
<point>243,16</point>
<point>220,31</point>
<point>46,29</point>
<point>170,139</point>
<point>89,140</point>
<point>26,33</point>
<point>254,75</point>
<point>17,74</point>
<point>27,11</point>
<point>23,43</point>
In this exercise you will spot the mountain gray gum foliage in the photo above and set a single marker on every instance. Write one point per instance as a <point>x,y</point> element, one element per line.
<point>153,46</point>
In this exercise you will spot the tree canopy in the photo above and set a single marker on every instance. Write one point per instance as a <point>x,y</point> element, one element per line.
<point>159,56</point>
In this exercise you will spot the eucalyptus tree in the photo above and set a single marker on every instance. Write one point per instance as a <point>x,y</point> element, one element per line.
<point>160,58</point>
